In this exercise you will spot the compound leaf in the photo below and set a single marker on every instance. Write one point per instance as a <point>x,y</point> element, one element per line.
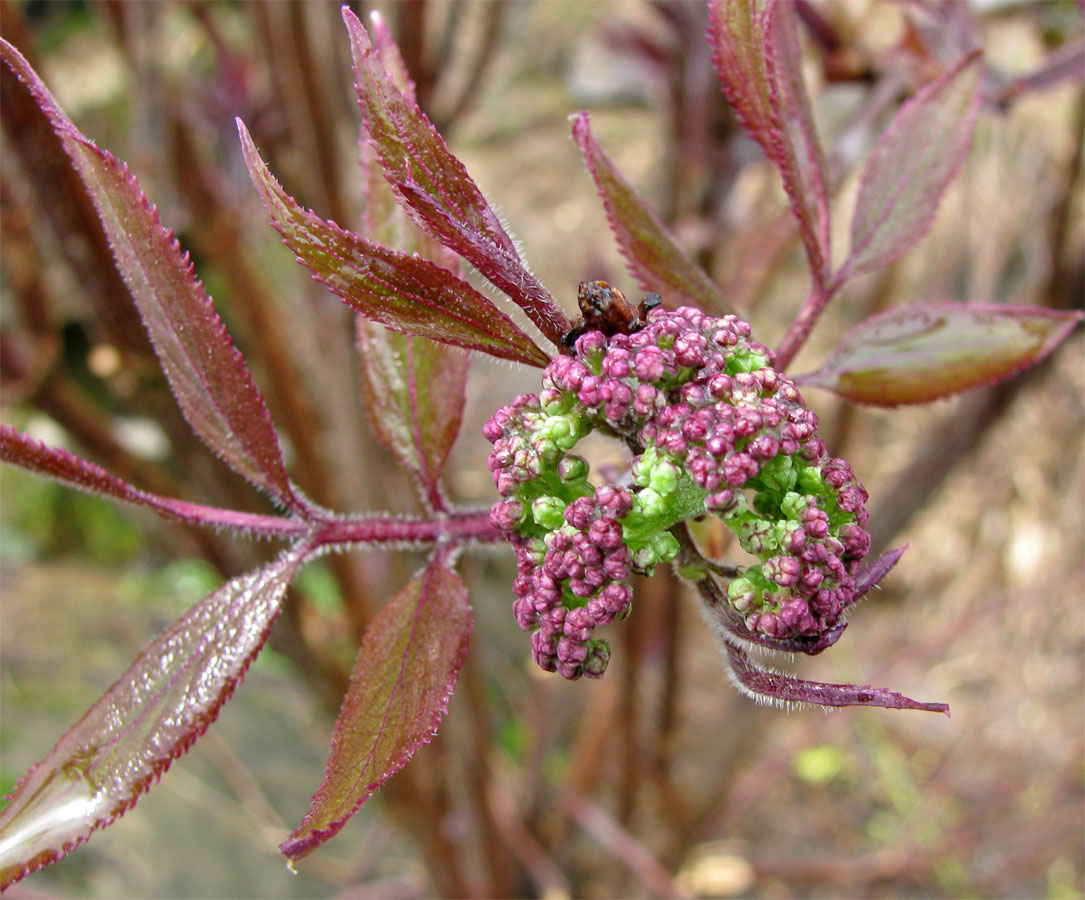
<point>435,188</point>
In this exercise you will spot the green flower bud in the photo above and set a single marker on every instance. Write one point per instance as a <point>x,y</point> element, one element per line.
<point>548,511</point>
<point>565,430</point>
<point>650,503</point>
<point>794,503</point>
<point>573,468</point>
<point>547,450</point>
<point>644,465</point>
<point>665,546</point>
<point>664,477</point>
<point>560,406</point>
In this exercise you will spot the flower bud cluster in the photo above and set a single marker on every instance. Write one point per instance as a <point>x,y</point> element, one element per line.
<point>576,545</point>
<point>722,432</point>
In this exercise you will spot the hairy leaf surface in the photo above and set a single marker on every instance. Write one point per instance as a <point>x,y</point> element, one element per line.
<point>149,717</point>
<point>914,354</point>
<point>911,166</point>
<point>407,293</point>
<point>773,687</point>
<point>405,671</point>
<point>52,462</point>
<point>655,258</point>
<point>756,52</point>
<point>436,189</point>
<point>207,374</point>
<point>414,394</point>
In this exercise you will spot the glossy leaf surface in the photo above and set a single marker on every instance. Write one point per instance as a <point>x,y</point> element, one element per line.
<point>207,374</point>
<point>911,166</point>
<point>756,52</point>
<point>913,354</point>
<point>404,292</point>
<point>414,396</point>
<point>655,258</point>
<point>436,189</point>
<point>149,717</point>
<point>405,671</point>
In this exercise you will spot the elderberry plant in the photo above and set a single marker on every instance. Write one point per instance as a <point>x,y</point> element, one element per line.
<point>714,425</point>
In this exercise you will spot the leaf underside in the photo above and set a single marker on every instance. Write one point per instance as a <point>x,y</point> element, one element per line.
<point>756,53</point>
<point>414,393</point>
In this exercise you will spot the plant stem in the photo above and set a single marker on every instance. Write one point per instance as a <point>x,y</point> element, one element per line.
<point>799,329</point>
<point>467,525</point>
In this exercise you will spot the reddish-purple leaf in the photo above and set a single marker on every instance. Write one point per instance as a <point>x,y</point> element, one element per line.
<point>436,189</point>
<point>406,669</point>
<point>407,293</point>
<point>773,687</point>
<point>414,396</point>
<point>756,52</point>
<point>208,376</point>
<point>805,178</point>
<point>914,354</point>
<point>874,571</point>
<point>654,256</point>
<point>149,717</point>
<point>23,451</point>
<point>911,166</point>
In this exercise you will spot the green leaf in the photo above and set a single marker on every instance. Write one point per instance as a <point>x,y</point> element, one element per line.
<point>407,293</point>
<point>914,354</point>
<point>406,669</point>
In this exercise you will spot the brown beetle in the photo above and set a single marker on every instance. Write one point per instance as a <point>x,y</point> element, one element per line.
<point>604,308</point>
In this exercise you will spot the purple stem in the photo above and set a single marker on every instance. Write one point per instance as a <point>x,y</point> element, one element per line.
<point>468,525</point>
<point>799,329</point>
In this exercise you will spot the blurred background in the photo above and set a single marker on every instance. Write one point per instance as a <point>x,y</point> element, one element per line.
<point>660,779</point>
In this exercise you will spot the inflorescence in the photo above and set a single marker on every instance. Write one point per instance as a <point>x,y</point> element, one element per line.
<point>715,430</point>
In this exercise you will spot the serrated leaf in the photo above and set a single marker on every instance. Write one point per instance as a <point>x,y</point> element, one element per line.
<point>437,191</point>
<point>756,53</point>
<point>914,354</point>
<point>206,373</point>
<point>654,257</point>
<point>150,716</point>
<point>414,393</point>
<point>911,166</point>
<point>21,450</point>
<point>406,669</point>
<point>407,293</point>
<point>805,172</point>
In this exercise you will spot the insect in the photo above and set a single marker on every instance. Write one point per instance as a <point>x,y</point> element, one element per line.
<point>604,308</point>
